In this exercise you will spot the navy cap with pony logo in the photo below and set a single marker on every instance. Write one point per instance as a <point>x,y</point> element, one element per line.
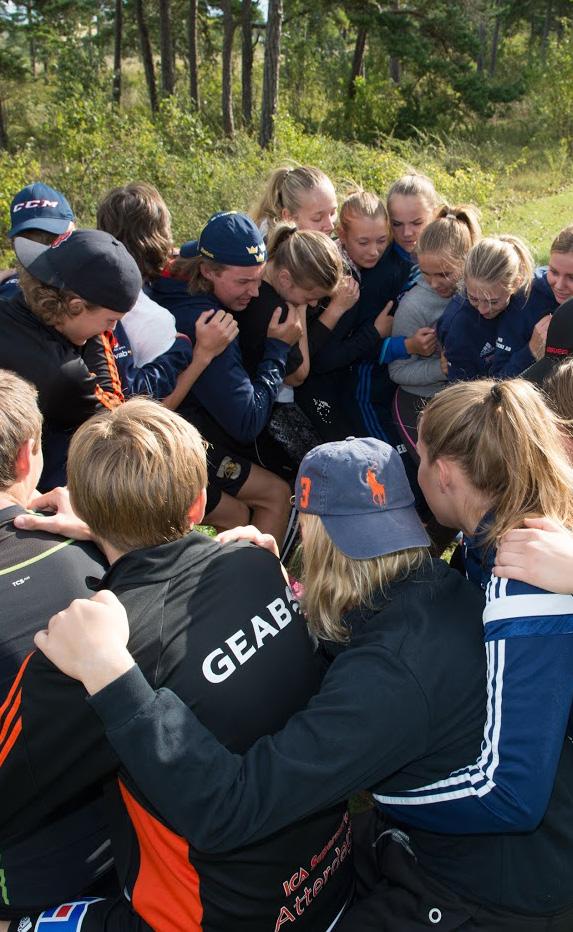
<point>39,207</point>
<point>230,238</point>
<point>359,489</point>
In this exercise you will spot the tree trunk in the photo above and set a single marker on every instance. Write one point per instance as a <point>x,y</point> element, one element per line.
<point>193,55</point>
<point>3,128</point>
<point>546,29</point>
<point>146,55</point>
<point>227,96</point>
<point>358,59</point>
<point>494,46</point>
<point>482,32</point>
<point>394,64</point>
<point>247,64</point>
<point>117,31</point>
<point>32,42</point>
<point>271,72</point>
<point>166,43</point>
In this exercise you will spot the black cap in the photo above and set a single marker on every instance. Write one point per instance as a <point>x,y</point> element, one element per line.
<point>91,263</point>
<point>558,346</point>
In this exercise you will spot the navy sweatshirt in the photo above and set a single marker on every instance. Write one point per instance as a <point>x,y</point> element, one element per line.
<point>224,390</point>
<point>516,323</point>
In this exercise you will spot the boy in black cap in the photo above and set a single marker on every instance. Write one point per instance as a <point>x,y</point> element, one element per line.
<point>71,291</point>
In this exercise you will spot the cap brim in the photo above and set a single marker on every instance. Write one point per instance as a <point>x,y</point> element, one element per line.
<point>375,534</point>
<point>49,226</point>
<point>538,372</point>
<point>190,249</point>
<point>33,257</point>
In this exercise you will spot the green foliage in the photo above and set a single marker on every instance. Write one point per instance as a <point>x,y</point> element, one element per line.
<point>371,114</point>
<point>552,98</point>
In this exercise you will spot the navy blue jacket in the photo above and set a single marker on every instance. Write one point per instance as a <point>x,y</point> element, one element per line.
<point>224,390</point>
<point>512,353</point>
<point>354,337</point>
<point>467,339</point>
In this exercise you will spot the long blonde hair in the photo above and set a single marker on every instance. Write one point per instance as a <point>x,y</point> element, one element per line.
<point>283,190</point>
<point>335,583</point>
<point>508,443</point>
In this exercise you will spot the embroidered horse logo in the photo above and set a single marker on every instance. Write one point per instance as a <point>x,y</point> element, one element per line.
<point>377,488</point>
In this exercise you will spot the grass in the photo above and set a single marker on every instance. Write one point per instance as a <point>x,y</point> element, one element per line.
<point>536,219</point>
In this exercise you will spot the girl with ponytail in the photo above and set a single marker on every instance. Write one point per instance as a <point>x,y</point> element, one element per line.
<point>303,195</point>
<point>442,250</point>
<point>491,458</point>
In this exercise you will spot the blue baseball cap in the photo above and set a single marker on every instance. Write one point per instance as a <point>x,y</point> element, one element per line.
<point>38,207</point>
<point>230,238</point>
<point>359,488</point>
<point>91,263</point>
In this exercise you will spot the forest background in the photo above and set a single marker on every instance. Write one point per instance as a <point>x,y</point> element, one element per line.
<point>202,99</point>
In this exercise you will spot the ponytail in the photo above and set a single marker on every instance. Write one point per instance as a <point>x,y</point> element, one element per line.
<point>507,442</point>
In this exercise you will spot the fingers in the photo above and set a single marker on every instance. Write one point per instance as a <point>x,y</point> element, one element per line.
<point>105,597</point>
<point>387,309</point>
<point>509,571</point>
<point>41,640</point>
<point>275,319</point>
<point>543,524</point>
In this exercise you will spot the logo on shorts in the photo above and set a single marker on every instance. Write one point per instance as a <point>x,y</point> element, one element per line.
<point>25,924</point>
<point>228,469</point>
<point>65,918</point>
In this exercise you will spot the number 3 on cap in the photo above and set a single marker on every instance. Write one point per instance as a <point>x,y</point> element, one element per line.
<point>305,484</point>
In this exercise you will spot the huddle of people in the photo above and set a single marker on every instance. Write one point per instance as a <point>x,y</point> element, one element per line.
<point>177,750</point>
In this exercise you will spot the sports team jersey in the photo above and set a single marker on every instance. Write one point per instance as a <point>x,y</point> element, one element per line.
<point>40,574</point>
<point>220,627</point>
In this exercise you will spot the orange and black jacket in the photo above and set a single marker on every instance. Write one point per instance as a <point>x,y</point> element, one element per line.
<point>220,627</point>
<point>73,382</point>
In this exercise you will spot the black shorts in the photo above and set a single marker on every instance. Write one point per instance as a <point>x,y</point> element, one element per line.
<point>226,472</point>
<point>83,915</point>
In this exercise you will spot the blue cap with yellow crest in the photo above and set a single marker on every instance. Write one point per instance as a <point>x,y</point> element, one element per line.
<point>230,238</point>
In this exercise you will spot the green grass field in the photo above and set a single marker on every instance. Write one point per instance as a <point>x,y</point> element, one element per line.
<point>536,219</point>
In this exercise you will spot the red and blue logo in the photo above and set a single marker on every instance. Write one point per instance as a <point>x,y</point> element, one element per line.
<point>68,917</point>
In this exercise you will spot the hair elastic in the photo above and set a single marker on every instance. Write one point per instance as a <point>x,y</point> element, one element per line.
<point>496,393</point>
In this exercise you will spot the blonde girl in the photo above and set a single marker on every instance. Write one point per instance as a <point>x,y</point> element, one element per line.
<point>491,457</point>
<point>498,276</point>
<point>303,195</point>
<point>442,250</point>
